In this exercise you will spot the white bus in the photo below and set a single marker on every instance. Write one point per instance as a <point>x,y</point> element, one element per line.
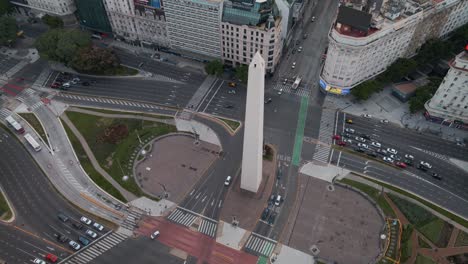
<point>32,142</point>
<point>12,122</point>
<point>296,82</point>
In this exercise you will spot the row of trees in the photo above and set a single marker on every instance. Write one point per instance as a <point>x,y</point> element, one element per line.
<point>8,30</point>
<point>216,68</point>
<point>430,52</point>
<point>74,48</point>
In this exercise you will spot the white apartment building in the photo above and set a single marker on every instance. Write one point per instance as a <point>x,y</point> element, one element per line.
<point>363,45</point>
<point>135,22</point>
<point>194,26</point>
<point>450,102</point>
<point>52,7</point>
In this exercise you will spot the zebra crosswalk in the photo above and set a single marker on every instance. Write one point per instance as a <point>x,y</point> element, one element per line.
<point>183,217</point>
<point>300,91</point>
<point>88,254</point>
<point>259,245</point>
<point>327,124</point>
<point>4,113</point>
<point>131,221</point>
<point>208,227</point>
<point>72,97</point>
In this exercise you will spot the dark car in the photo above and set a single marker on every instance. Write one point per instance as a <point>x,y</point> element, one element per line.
<point>408,162</point>
<point>85,83</point>
<point>280,173</point>
<point>229,106</point>
<point>62,217</point>
<point>436,176</point>
<point>268,100</point>
<point>372,154</point>
<point>271,219</point>
<point>83,241</point>
<point>55,85</point>
<point>61,238</point>
<point>77,225</point>
<point>265,214</point>
<point>365,136</point>
<point>421,167</point>
<point>346,135</point>
<point>360,150</point>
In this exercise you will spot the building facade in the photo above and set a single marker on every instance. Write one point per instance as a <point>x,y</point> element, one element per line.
<point>364,44</point>
<point>142,22</point>
<point>64,9</point>
<point>450,102</point>
<point>193,26</point>
<point>91,15</point>
<point>249,27</point>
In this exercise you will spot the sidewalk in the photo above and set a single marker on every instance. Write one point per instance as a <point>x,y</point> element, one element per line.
<point>383,105</point>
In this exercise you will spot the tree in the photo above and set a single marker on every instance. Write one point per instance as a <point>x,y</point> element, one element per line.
<point>53,21</point>
<point>61,44</point>
<point>423,94</point>
<point>214,67</point>
<point>399,69</point>
<point>364,90</point>
<point>95,60</point>
<point>8,30</point>
<point>5,7</point>
<point>242,73</point>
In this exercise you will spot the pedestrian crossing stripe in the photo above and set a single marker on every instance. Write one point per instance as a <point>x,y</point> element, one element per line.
<point>301,91</point>
<point>260,245</point>
<point>182,217</point>
<point>208,227</point>
<point>106,101</point>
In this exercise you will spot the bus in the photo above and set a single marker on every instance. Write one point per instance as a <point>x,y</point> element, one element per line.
<point>296,82</point>
<point>32,142</point>
<point>12,122</point>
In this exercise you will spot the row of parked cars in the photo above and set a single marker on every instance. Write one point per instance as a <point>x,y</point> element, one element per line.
<point>85,224</point>
<point>363,143</point>
<point>269,214</point>
<point>66,80</point>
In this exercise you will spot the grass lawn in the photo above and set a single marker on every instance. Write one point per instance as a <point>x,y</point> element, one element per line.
<point>5,211</point>
<point>374,194</point>
<point>433,230</point>
<point>116,158</point>
<point>420,259</point>
<point>462,239</point>
<point>405,251</point>
<point>231,123</point>
<point>417,215</point>
<point>34,122</point>
<point>107,111</point>
<point>89,169</point>
<point>434,207</point>
<point>423,243</point>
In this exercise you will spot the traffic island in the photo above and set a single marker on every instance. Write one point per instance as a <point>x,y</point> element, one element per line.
<point>244,207</point>
<point>6,213</point>
<point>172,164</point>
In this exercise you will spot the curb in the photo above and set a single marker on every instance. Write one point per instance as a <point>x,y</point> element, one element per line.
<point>13,214</point>
<point>47,144</point>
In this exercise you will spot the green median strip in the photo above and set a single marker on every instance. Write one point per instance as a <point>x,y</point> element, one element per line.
<point>296,158</point>
<point>5,211</point>
<point>34,122</point>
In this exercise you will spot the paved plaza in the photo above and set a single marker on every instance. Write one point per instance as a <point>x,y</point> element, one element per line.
<point>176,163</point>
<point>338,224</point>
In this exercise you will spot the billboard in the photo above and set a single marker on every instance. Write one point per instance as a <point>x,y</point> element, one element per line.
<point>334,90</point>
<point>150,3</point>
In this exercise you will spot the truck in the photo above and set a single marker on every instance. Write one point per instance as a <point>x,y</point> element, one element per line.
<point>12,122</point>
<point>296,82</point>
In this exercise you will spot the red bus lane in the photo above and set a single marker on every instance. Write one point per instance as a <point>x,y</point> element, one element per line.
<point>196,244</point>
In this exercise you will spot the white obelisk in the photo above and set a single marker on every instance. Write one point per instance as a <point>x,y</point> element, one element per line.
<point>252,156</point>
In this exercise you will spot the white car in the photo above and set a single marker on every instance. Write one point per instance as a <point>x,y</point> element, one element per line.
<point>98,227</point>
<point>392,151</point>
<point>85,220</point>
<point>387,159</point>
<point>39,261</point>
<point>285,81</point>
<point>91,233</point>
<point>408,156</point>
<point>280,92</point>
<point>155,234</point>
<point>384,121</point>
<point>347,140</point>
<point>394,157</point>
<point>376,144</point>
<point>66,85</point>
<point>360,139</point>
<point>313,19</point>
<point>426,164</point>
<point>227,182</point>
<point>349,130</point>
<point>367,116</point>
<point>362,145</point>
<point>293,65</point>
<point>74,245</point>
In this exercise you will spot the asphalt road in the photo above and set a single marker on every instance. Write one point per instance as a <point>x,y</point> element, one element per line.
<point>36,205</point>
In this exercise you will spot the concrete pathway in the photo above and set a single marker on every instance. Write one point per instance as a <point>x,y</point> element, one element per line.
<point>326,172</point>
<point>128,195</point>
<point>153,208</point>
<point>453,237</point>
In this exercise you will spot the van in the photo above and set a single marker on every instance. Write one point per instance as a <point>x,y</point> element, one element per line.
<point>278,200</point>
<point>62,217</point>
<point>227,182</point>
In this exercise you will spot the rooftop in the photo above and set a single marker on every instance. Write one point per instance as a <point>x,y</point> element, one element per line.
<point>356,19</point>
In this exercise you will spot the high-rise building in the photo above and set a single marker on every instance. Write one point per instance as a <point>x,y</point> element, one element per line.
<point>363,44</point>
<point>62,8</point>
<point>193,26</point>
<point>140,21</point>
<point>92,15</point>
<point>450,102</point>
<point>248,27</point>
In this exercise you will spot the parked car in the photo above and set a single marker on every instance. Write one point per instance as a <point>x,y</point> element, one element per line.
<point>408,156</point>
<point>271,219</point>
<point>395,157</point>
<point>425,164</point>
<point>387,159</point>
<point>55,85</point>
<point>376,144</point>
<point>436,176</point>
<point>360,139</point>
<point>349,121</point>
<point>229,106</point>
<point>384,121</point>
<point>83,241</point>
<point>365,136</point>
<point>227,182</point>
<point>341,143</point>
<point>382,151</point>
<point>278,200</point>
<point>337,137</point>
<point>392,151</point>
<point>51,258</point>
<point>62,217</point>
<point>372,154</point>
<point>61,238</point>
<point>98,226</point>
<point>401,164</point>
<point>232,84</point>
<point>362,145</point>
<point>85,220</point>
<point>91,234</point>
<point>265,213</point>
<point>85,83</point>
<point>77,225</point>
<point>349,130</point>
<point>38,261</point>
<point>74,245</point>
<point>348,141</point>
<point>367,116</point>
<point>408,162</point>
